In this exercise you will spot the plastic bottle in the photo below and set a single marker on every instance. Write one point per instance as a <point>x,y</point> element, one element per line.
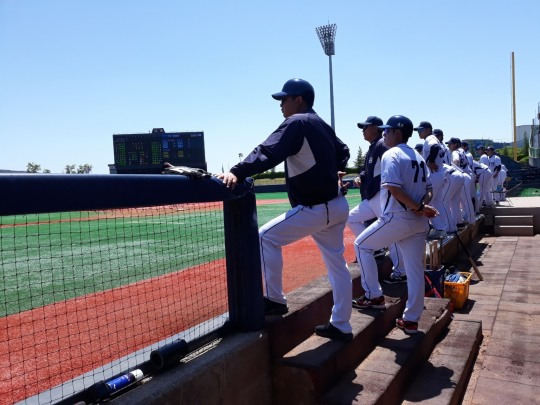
<point>124,380</point>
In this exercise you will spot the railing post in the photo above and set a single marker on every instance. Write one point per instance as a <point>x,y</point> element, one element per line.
<point>244,280</point>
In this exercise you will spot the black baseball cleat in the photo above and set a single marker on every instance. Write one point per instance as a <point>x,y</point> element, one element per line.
<point>331,332</point>
<point>395,278</point>
<point>274,308</point>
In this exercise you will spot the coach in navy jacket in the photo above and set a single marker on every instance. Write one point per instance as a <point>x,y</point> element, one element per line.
<point>313,155</point>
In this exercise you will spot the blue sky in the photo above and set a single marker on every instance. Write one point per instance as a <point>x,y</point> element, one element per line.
<point>73,73</point>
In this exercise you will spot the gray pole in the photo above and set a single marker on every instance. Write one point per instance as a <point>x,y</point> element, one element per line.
<point>332,122</point>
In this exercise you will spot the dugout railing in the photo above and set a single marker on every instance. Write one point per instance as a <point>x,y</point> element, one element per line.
<point>30,194</point>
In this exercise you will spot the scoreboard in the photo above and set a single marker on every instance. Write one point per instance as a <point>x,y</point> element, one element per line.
<point>146,153</point>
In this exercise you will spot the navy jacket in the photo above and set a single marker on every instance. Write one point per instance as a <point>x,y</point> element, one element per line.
<point>312,153</point>
<point>371,172</point>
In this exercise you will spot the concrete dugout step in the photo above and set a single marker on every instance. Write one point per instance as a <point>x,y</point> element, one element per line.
<point>513,230</point>
<point>383,377</point>
<point>305,372</point>
<point>514,220</point>
<point>309,306</point>
<point>443,378</point>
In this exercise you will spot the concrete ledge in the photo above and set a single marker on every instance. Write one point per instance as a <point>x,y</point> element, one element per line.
<point>235,371</point>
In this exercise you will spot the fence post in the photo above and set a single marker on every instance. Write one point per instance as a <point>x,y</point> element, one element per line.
<point>244,280</point>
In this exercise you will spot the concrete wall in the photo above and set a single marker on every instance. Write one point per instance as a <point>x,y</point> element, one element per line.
<point>236,371</point>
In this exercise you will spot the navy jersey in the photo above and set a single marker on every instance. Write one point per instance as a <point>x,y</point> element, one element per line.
<point>371,172</point>
<point>312,153</point>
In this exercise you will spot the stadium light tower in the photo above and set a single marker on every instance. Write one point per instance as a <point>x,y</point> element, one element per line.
<point>327,36</point>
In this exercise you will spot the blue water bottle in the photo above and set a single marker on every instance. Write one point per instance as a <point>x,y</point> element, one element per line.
<point>122,381</point>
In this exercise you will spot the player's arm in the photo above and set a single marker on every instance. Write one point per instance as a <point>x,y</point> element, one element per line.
<point>419,207</point>
<point>283,142</point>
<point>342,154</point>
<point>428,196</point>
<point>455,158</point>
<point>497,167</point>
<point>433,152</point>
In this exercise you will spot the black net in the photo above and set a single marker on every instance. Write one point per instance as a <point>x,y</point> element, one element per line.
<point>85,295</point>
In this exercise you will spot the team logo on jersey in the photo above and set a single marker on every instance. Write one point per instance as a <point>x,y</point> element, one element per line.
<point>370,161</point>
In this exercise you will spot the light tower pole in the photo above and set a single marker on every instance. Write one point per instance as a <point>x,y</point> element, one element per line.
<point>327,36</point>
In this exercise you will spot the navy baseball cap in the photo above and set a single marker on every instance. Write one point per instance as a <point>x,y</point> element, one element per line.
<point>295,87</point>
<point>464,143</point>
<point>453,140</point>
<point>491,148</point>
<point>419,147</point>
<point>399,122</point>
<point>479,147</point>
<point>439,132</point>
<point>423,125</point>
<point>371,120</point>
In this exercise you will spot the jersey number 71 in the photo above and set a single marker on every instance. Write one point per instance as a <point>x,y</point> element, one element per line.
<point>417,166</point>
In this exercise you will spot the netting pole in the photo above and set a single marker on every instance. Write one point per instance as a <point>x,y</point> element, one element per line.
<point>244,281</point>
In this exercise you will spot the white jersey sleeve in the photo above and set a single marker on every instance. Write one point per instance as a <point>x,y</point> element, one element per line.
<point>455,158</point>
<point>403,167</point>
<point>484,159</point>
<point>469,157</point>
<point>432,140</point>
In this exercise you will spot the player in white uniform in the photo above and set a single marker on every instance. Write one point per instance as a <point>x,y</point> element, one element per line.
<point>494,164</point>
<point>452,192</point>
<point>500,181</point>
<point>405,188</point>
<point>369,182</point>
<point>483,158</point>
<point>483,178</point>
<point>433,155</point>
<point>459,160</point>
<point>469,157</point>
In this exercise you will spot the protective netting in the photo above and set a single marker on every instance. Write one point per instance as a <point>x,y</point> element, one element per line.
<point>85,295</point>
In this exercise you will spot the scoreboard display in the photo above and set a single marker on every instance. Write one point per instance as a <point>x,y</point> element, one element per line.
<point>146,153</point>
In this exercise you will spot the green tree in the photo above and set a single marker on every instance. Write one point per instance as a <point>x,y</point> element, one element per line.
<point>46,171</point>
<point>506,151</point>
<point>32,167</point>
<point>84,169</point>
<point>525,149</point>
<point>360,158</point>
<point>69,169</point>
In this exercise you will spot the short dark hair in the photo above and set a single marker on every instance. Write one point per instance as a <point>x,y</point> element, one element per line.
<point>309,98</point>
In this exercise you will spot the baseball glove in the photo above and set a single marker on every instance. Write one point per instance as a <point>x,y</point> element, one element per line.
<point>192,172</point>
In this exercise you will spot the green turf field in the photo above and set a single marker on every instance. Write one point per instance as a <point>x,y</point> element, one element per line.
<point>529,192</point>
<point>53,261</point>
<point>48,262</point>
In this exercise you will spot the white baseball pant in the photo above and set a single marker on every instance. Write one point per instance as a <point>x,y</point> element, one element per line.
<point>365,211</point>
<point>325,223</point>
<point>451,199</point>
<point>408,231</point>
<point>439,183</point>
<point>467,198</point>
<point>484,188</point>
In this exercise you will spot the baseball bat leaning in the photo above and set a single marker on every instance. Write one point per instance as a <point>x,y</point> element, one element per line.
<point>473,264</point>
